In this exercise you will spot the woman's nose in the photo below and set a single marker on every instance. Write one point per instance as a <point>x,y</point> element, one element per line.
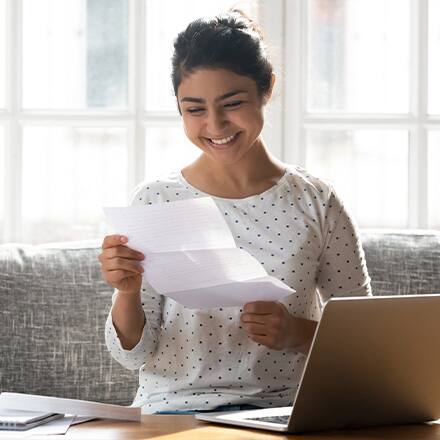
<point>216,123</point>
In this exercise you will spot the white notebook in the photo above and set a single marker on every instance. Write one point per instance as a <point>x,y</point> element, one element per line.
<point>17,420</point>
<point>30,402</point>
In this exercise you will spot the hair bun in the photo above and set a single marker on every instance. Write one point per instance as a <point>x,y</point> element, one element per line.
<point>244,21</point>
<point>231,41</point>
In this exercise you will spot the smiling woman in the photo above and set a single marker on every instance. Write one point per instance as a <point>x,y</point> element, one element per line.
<point>221,90</point>
<point>225,126</point>
<point>291,222</point>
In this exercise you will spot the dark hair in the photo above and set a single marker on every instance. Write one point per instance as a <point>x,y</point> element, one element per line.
<point>230,41</point>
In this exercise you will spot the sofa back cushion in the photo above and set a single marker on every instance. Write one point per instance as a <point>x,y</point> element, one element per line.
<point>403,262</point>
<point>53,307</point>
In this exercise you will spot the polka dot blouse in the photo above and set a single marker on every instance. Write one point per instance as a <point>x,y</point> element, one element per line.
<point>200,359</point>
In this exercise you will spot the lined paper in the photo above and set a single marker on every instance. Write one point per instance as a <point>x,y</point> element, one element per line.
<point>191,255</point>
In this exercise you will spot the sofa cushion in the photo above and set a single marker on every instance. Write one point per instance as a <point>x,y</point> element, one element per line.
<point>53,307</point>
<point>403,262</point>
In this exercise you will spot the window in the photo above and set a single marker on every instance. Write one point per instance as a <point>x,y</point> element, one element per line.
<point>68,171</point>
<point>434,178</point>
<point>90,111</point>
<point>75,55</point>
<point>87,109</point>
<point>2,53</point>
<point>2,177</point>
<point>362,98</point>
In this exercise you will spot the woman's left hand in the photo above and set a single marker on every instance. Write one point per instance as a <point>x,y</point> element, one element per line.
<point>269,323</point>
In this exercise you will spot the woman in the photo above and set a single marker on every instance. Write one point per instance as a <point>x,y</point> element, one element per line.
<point>292,222</point>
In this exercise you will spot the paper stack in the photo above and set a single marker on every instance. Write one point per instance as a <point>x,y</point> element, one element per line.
<point>75,411</point>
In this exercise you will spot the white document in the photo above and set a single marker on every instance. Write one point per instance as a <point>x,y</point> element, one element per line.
<point>191,256</point>
<point>31,402</point>
<point>59,426</point>
<point>81,419</point>
<point>10,417</point>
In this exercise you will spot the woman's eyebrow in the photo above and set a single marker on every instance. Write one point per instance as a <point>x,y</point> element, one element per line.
<point>220,98</point>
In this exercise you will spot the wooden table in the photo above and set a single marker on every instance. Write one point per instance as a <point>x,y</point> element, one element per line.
<point>179,427</point>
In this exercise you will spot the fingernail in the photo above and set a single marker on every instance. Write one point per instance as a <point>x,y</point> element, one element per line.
<point>123,239</point>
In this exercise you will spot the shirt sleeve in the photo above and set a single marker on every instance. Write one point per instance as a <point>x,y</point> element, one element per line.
<point>342,270</point>
<point>133,359</point>
<point>152,304</point>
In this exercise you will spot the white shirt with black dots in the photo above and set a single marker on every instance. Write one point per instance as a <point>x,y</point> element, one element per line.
<point>200,359</point>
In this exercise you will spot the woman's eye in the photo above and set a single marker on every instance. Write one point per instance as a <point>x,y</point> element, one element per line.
<point>233,104</point>
<point>194,110</point>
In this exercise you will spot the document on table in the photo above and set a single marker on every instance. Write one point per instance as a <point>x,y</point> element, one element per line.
<point>31,402</point>
<point>58,426</point>
<point>191,256</point>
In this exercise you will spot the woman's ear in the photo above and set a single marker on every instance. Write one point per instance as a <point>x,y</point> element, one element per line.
<point>268,95</point>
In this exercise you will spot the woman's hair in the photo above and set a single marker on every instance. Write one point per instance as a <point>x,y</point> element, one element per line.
<point>229,41</point>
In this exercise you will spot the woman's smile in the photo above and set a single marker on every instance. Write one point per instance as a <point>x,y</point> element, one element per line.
<point>223,143</point>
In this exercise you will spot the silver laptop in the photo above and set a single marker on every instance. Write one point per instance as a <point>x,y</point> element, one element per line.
<point>374,361</point>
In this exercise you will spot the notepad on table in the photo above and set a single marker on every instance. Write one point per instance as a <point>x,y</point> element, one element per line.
<point>18,420</point>
<point>31,402</point>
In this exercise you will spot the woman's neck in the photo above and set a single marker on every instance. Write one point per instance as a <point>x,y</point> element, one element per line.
<point>252,175</point>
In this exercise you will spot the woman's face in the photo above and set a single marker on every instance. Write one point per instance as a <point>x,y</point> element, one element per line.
<point>222,113</point>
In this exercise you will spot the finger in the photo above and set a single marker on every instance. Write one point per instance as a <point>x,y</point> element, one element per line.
<point>254,318</point>
<point>113,240</point>
<point>256,329</point>
<point>123,252</point>
<point>123,264</point>
<point>115,276</point>
<point>260,307</point>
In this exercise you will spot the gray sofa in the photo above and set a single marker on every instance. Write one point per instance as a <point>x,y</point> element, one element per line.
<point>53,306</point>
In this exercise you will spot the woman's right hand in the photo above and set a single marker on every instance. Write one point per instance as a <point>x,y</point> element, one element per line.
<point>120,265</point>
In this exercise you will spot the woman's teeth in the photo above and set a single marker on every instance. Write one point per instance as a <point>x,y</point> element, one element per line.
<point>224,140</point>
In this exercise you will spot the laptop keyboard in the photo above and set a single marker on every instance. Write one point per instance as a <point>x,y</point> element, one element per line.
<point>281,420</point>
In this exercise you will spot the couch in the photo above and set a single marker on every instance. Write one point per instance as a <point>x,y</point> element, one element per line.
<point>53,306</point>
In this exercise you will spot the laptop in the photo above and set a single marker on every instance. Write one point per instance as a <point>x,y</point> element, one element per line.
<point>374,361</point>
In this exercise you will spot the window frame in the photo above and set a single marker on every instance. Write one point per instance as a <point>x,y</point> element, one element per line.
<point>14,118</point>
<point>285,27</point>
<point>297,120</point>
